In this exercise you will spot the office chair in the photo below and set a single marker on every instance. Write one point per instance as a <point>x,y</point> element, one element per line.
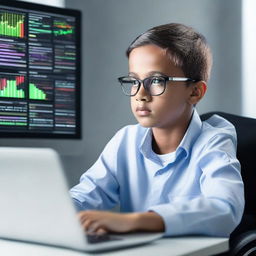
<point>243,238</point>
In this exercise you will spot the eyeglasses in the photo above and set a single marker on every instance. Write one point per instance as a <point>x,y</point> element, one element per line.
<point>154,85</point>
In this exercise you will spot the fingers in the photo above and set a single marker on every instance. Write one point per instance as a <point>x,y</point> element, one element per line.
<point>90,223</point>
<point>93,227</point>
<point>86,224</point>
<point>101,231</point>
<point>93,221</point>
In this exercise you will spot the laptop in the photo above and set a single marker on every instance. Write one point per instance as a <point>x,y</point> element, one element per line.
<point>36,206</point>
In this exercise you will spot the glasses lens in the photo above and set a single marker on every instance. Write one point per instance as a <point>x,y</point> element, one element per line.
<point>155,85</point>
<point>129,85</point>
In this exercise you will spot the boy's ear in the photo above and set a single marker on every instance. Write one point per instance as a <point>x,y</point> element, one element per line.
<point>198,92</point>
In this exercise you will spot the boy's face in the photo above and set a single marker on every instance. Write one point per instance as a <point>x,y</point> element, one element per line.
<point>171,108</point>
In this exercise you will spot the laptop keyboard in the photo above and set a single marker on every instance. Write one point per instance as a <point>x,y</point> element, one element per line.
<point>99,238</point>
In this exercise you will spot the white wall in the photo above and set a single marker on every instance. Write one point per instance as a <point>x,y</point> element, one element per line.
<point>248,58</point>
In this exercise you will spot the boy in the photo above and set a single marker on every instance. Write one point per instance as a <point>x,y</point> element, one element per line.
<point>170,172</point>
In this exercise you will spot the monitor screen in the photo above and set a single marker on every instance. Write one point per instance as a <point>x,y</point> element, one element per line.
<point>39,71</point>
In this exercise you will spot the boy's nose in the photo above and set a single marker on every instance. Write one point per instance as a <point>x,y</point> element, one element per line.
<point>143,95</point>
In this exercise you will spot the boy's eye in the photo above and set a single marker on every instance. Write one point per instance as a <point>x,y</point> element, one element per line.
<point>157,81</point>
<point>135,83</point>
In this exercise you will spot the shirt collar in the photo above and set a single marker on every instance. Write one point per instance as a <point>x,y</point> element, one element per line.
<point>192,133</point>
<point>146,144</point>
<point>185,145</point>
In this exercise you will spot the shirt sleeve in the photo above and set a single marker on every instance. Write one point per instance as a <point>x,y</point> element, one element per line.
<point>98,188</point>
<point>219,207</point>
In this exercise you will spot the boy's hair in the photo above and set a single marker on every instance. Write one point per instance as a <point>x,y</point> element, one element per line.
<point>186,47</point>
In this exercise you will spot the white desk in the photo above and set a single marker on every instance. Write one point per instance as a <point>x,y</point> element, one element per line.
<point>181,246</point>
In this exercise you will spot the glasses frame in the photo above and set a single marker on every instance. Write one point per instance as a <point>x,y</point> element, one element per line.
<point>166,79</point>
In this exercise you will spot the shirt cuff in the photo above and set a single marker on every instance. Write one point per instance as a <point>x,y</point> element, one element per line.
<point>173,223</point>
<point>78,205</point>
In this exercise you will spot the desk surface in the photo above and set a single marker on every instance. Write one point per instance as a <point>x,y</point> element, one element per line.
<point>178,246</point>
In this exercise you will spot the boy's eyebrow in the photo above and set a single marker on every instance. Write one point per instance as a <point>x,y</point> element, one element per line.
<point>132,74</point>
<point>151,73</point>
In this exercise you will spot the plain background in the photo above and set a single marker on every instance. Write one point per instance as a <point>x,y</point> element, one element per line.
<point>108,27</point>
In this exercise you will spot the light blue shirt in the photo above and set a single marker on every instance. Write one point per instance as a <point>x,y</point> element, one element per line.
<point>197,189</point>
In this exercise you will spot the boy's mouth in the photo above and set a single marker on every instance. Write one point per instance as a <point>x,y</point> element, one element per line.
<point>143,111</point>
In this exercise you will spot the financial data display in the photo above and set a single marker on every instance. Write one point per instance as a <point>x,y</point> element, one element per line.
<point>39,71</point>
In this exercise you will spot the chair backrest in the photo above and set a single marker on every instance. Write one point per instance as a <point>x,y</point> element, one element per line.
<point>246,154</point>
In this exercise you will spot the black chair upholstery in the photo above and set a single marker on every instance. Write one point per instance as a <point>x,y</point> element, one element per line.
<point>243,238</point>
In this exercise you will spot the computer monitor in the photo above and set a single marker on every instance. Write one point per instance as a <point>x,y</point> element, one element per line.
<point>40,71</point>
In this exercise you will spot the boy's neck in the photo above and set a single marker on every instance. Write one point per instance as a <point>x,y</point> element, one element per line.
<point>166,140</point>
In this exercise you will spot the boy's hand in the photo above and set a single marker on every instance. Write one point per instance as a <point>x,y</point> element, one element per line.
<point>104,221</point>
